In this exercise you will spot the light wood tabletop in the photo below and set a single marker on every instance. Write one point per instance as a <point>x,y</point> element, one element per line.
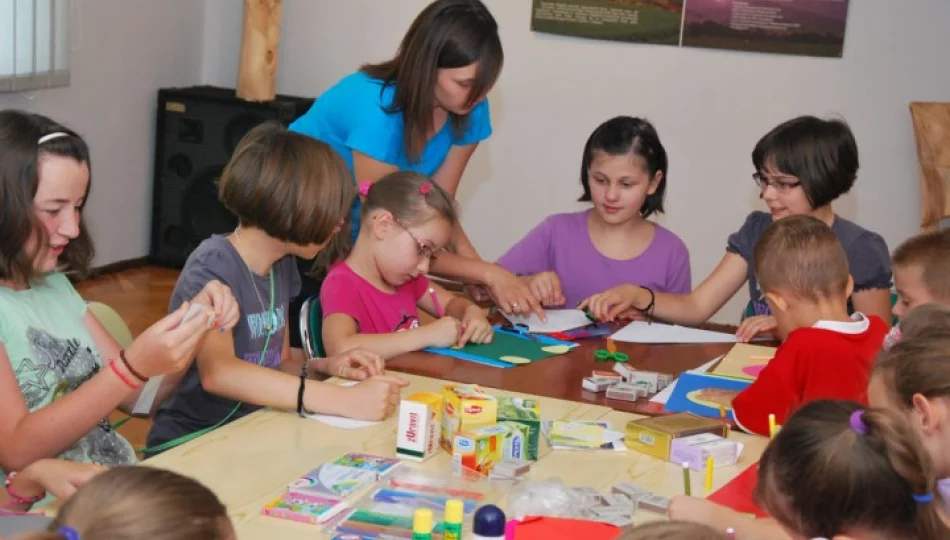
<point>249,462</point>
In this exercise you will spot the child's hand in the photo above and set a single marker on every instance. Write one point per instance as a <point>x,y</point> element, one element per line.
<point>475,327</point>
<point>546,287</point>
<point>511,294</point>
<point>57,477</point>
<point>356,364</point>
<point>754,326</point>
<point>717,396</point>
<point>169,345</point>
<point>375,398</point>
<point>606,306</point>
<point>218,297</point>
<point>444,332</point>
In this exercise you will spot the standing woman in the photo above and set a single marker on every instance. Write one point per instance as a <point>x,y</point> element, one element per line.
<point>425,110</point>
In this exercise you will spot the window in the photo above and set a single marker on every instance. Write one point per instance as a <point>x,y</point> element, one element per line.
<point>34,44</point>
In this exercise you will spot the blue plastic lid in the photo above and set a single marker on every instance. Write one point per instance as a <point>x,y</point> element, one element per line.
<point>489,521</point>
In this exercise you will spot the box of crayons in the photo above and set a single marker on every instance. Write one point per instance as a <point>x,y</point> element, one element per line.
<point>654,436</point>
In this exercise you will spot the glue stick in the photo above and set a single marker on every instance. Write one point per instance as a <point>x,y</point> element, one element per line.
<point>488,523</point>
<point>422,524</point>
<point>452,526</point>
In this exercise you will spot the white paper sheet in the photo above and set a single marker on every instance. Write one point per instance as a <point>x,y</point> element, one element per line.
<point>340,421</point>
<point>559,320</point>
<point>143,405</point>
<point>664,395</point>
<point>644,332</point>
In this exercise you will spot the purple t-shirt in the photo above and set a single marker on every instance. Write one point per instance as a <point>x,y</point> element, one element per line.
<point>561,243</point>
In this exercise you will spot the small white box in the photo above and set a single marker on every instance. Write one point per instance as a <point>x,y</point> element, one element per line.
<point>593,385</point>
<point>417,436</point>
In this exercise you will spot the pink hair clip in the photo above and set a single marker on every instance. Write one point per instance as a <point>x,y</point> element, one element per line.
<point>364,188</point>
<point>893,337</point>
<point>425,188</point>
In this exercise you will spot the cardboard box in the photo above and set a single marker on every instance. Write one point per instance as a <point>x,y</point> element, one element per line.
<point>654,436</point>
<point>696,448</point>
<point>523,415</point>
<point>417,436</point>
<point>465,408</point>
<point>479,449</point>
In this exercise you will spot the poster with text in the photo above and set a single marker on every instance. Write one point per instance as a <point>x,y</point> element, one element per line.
<point>805,27</point>
<point>641,21</point>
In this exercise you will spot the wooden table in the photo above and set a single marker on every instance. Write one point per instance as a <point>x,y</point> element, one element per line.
<point>249,462</point>
<point>560,376</point>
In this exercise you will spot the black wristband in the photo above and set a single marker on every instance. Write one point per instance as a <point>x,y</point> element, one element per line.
<point>649,309</point>
<point>303,384</point>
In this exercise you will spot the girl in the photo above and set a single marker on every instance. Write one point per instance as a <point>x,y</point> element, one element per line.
<point>569,257</point>
<point>370,300</point>
<point>129,503</point>
<point>425,110</point>
<point>802,166</point>
<point>290,193</point>
<point>61,373</point>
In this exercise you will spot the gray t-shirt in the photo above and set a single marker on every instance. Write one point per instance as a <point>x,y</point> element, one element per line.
<point>868,257</point>
<point>191,408</point>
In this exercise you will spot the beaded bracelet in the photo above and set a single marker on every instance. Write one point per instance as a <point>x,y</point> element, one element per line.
<point>121,376</point>
<point>16,497</point>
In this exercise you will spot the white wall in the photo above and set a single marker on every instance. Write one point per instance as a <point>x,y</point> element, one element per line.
<point>122,52</point>
<point>710,108</point>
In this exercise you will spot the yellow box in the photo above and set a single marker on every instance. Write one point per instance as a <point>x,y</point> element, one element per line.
<point>654,436</point>
<point>420,415</point>
<point>479,449</point>
<point>465,408</point>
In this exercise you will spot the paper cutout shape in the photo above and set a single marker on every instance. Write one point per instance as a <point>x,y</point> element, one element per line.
<point>744,361</point>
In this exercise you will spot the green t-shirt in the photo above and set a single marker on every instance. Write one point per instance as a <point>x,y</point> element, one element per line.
<point>52,354</point>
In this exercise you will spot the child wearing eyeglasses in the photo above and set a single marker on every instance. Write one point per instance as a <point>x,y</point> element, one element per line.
<point>371,299</point>
<point>802,166</point>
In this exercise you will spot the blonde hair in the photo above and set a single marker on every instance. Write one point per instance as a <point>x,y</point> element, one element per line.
<point>130,503</point>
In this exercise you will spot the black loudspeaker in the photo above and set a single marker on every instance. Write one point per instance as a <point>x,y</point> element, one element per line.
<point>197,130</point>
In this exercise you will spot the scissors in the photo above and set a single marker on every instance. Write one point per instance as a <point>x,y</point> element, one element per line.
<point>521,330</point>
<point>610,353</point>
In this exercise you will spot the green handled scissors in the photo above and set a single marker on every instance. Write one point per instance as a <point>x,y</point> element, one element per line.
<point>603,355</point>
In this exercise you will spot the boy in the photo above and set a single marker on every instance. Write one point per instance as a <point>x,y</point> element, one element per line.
<point>921,275</point>
<point>825,354</point>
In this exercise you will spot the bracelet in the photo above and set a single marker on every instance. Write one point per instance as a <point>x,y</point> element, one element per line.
<point>123,378</point>
<point>303,384</point>
<point>128,366</point>
<point>16,497</point>
<point>649,309</point>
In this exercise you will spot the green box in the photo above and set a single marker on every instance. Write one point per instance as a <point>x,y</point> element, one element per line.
<point>523,416</point>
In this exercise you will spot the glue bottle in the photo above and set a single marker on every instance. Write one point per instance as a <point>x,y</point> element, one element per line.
<point>452,525</point>
<point>488,523</point>
<point>422,524</point>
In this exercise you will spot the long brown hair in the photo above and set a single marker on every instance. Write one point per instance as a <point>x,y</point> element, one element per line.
<point>20,156</point>
<point>446,34</point>
<point>821,477</point>
<point>130,503</point>
<point>920,362</point>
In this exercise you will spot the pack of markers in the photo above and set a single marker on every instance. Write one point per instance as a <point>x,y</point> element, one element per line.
<point>387,511</point>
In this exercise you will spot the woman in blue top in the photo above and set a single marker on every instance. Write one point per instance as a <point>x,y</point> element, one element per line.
<point>425,110</point>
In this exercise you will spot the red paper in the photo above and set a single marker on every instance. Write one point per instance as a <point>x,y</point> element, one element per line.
<point>552,528</point>
<point>738,493</point>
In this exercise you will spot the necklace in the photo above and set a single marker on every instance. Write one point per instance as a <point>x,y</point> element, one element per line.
<point>270,321</point>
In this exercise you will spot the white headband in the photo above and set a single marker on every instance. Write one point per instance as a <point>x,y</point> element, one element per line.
<point>50,136</point>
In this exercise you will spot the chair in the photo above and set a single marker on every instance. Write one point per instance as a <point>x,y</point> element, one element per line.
<point>112,322</point>
<point>311,327</point>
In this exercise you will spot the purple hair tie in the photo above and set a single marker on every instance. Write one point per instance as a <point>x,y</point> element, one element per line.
<point>68,533</point>
<point>857,422</point>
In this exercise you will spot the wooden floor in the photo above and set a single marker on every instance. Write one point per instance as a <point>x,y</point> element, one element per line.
<point>141,297</point>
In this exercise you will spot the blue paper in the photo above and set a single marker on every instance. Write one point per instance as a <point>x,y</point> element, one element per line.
<point>691,382</point>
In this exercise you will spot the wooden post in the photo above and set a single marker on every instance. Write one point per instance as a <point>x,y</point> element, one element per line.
<point>932,132</point>
<point>257,74</point>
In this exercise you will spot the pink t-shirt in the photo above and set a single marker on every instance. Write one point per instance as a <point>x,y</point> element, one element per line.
<point>375,311</point>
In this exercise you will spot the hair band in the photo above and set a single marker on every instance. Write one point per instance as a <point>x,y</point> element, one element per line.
<point>425,188</point>
<point>364,188</point>
<point>68,532</point>
<point>51,136</point>
<point>923,499</point>
<point>857,422</point>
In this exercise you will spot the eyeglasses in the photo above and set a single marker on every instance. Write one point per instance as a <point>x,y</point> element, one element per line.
<point>782,186</point>
<point>423,250</point>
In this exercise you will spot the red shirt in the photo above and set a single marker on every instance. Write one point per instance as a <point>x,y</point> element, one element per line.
<point>812,364</point>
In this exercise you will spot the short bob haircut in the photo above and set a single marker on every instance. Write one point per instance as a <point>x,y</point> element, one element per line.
<point>20,157</point>
<point>291,186</point>
<point>822,154</point>
<point>626,135</point>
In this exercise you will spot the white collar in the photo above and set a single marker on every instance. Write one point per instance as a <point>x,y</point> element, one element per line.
<point>859,324</point>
